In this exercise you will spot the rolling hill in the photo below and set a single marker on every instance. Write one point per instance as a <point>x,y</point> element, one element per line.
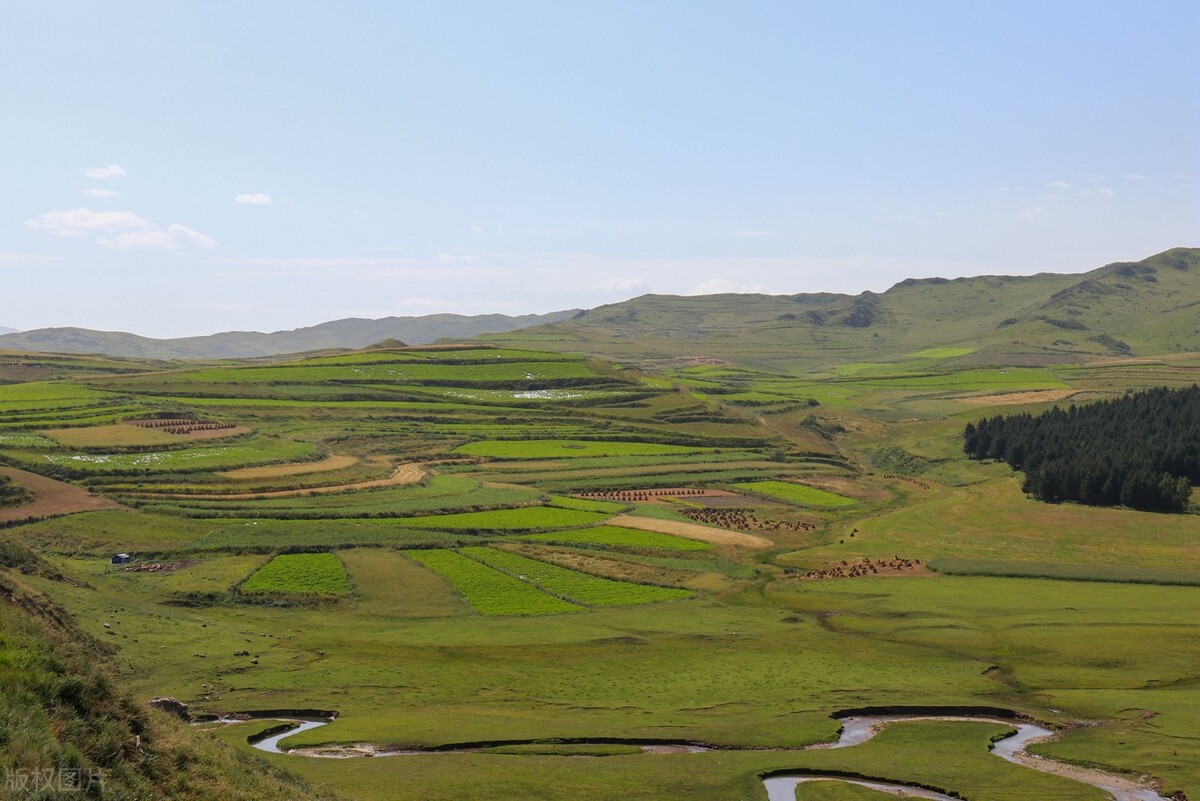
<point>352,332</point>
<point>1122,309</point>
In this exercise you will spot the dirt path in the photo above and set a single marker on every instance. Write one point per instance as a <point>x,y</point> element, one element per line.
<point>332,462</point>
<point>51,497</point>
<point>692,531</point>
<point>407,473</point>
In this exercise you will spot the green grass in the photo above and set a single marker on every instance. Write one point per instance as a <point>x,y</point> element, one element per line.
<point>838,791</point>
<point>535,373</point>
<point>551,449</point>
<point>799,494</point>
<point>440,493</point>
<point>1116,573</point>
<point>579,587</point>
<point>615,536</point>
<point>208,457</point>
<point>586,505</point>
<point>490,591</point>
<point>523,519</point>
<point>941,353</point>
<point>25,441</point>
<point>270,535</point>
<point>300,574</point>
<point>389,585</point>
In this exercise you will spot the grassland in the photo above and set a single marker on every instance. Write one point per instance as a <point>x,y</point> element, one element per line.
<point>549,449</point>
<point>476,605</point>
<point>525,519</point>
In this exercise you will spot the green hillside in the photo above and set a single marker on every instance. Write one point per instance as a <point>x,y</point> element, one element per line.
<point>1124,309</point>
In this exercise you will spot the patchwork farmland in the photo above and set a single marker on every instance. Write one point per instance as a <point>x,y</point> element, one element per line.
<point>510,556</point>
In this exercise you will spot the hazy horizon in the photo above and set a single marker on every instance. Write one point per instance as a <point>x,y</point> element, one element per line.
<point>179,171</point>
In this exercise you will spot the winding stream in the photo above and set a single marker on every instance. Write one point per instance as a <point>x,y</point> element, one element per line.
<point>782,786</point>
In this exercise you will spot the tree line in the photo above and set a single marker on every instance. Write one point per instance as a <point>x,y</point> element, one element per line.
<point>1141,450</point>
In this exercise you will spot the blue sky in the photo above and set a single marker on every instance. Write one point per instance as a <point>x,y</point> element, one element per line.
<point>175,169</point>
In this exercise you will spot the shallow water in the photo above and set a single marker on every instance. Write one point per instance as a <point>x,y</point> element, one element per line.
<point>271,744</point>
<point>855,731</point>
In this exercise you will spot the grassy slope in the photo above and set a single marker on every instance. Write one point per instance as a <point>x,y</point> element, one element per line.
<point>63,710</point>
<point>913,316</point>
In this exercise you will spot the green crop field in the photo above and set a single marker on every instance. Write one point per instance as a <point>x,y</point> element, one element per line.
<point>300,574</point>
<point>491,591</point>
<point>615,536</point>
<point>525,518</point>
<point>573,585</point>
<point>549,449</point>
<point>796,493</point>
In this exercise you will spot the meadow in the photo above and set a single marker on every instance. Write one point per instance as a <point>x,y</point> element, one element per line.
<point>484,602</point>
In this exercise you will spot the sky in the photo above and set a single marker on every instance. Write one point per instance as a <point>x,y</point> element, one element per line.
<point>176,169</point>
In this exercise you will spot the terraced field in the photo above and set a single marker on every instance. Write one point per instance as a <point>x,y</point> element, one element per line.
<point>481,603</point>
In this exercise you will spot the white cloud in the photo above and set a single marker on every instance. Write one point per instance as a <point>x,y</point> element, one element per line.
<point>253,199</point>
<point>476,229</point>
<point>723,286</point>
<point>175,237</point>
<point>1032,213</point>
<point>122,229</point>
<point>103,173</point>
<point>624,286</point>
<point>78,222</point>
<point>101,194</point>
<point>1058,185</point>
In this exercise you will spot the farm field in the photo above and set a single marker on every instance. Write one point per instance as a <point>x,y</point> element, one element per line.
<point>798,494</point>
<point>299,574</point>
<point>582,642</point>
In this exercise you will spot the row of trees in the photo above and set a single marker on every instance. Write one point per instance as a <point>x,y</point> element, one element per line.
<point>1141,450</point>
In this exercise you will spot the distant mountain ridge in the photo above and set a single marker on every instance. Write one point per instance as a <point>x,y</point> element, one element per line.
<point>1119,310</point>
<point>351,332</point>
<point>4,329</point>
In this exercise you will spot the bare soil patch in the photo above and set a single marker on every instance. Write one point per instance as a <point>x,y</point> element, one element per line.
<point>119,435</point>
<point>607,568</point>
<point>51,497</point>
<point>408,473</point>
<point>1017,398</point>
<point>692,531</point>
